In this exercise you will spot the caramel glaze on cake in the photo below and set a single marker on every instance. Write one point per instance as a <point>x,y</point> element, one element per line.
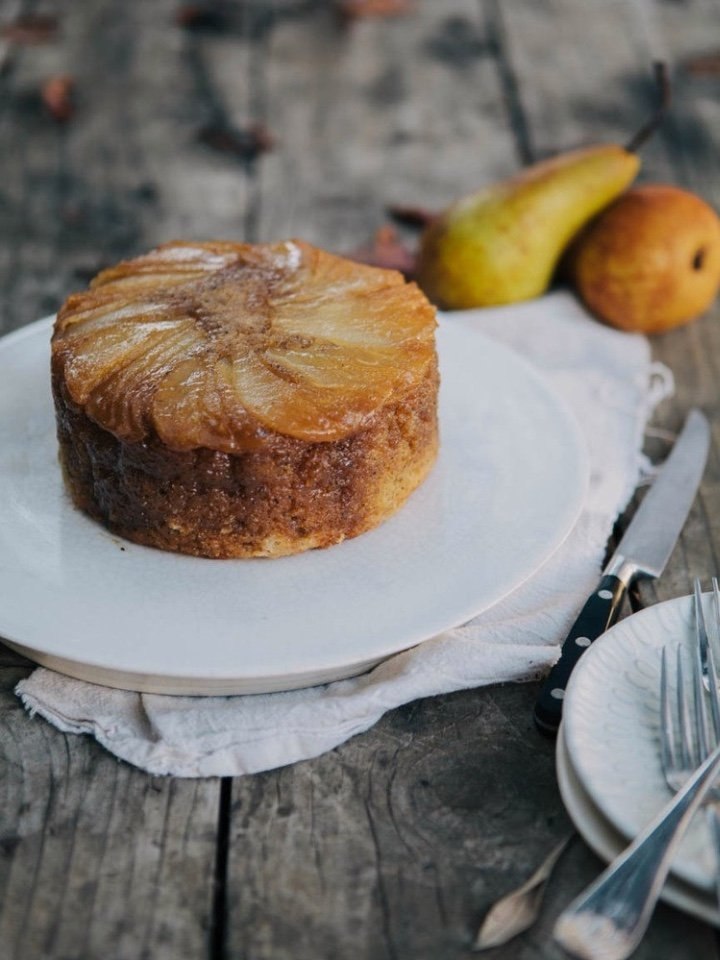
<point>231,400</point>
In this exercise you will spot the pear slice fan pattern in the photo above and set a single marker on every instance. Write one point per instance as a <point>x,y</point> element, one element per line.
<point>194,341</point>
<point>229,399</point>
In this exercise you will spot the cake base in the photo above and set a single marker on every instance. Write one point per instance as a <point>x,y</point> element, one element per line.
<point>284,497</point>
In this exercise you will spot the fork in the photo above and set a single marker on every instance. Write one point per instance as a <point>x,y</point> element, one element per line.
<point>608,920</point>
<point>710,681</point>
<point>686,744</point>
<point>675,776</point>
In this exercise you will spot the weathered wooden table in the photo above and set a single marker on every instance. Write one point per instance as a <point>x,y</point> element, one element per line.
<point>394,845</point>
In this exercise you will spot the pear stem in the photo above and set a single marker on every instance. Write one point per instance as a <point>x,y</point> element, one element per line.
<point>663,86</point>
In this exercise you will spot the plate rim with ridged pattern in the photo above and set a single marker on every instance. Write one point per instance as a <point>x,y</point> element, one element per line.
<point>607,843</point>
<point>611,727</point>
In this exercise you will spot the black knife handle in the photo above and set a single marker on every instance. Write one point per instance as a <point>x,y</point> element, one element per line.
<point>599,613</point>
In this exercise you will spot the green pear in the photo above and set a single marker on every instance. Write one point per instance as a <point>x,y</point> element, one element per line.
<point>503,243</point>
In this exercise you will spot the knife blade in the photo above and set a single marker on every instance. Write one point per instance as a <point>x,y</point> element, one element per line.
<point>642,552</point>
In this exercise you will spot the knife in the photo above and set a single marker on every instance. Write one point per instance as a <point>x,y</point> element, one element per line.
<point>643,552</point>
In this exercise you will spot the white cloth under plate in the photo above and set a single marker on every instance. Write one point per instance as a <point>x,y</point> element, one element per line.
<point>607,379</point>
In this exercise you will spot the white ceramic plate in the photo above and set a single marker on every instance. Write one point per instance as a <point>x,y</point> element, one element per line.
<point>607,843</point>
<point>611,727</point>
<point>506,490</point>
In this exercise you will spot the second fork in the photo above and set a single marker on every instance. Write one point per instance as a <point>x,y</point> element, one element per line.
<point>608,921</point>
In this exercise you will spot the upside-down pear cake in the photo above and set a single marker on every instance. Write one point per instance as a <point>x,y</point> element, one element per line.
<point>239,400</point>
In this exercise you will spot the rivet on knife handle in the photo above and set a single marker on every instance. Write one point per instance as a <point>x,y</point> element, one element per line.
<point>599,613</point>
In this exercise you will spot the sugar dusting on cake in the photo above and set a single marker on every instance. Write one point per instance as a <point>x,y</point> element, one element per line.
<point>196,255</point>
<point>293,255</point>
<point>171,252</point>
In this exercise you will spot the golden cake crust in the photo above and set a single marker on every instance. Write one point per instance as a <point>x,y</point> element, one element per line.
<point>191,419</point>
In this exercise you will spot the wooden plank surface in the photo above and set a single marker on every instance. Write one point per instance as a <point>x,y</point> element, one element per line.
<point>395,844</point>
<point>96,858</point>
<point>605,96</point>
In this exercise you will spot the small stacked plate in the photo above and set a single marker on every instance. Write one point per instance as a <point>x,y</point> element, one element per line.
<point>608,751</point>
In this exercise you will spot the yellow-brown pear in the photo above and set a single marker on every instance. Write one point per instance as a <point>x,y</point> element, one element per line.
<point>503,243</point>
<point>650,261</point>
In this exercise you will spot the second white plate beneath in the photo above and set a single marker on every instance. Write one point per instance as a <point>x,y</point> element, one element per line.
<point>607,843</point>
<point>611,724</point>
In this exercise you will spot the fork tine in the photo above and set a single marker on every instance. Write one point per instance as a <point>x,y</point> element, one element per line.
<point>712,667</point>
<point>714,640</point>
<point>687,740</point>
<point>700,628</point>
<point>701,716</point>
<point>668,743</point>
<point>714,696</point>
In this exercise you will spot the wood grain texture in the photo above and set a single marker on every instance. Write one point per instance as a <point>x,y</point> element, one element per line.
<point>394,845</point>
<point>402,111</point>
<point>96,858</point>
<point>386,906</point>
<point>692,141</point>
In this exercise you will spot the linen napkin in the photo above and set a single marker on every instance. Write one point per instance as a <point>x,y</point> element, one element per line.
<point>607,379</point>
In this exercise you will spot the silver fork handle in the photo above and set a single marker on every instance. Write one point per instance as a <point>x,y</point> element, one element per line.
<point>608,920</point>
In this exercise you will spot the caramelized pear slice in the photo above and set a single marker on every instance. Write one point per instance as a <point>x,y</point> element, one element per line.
<point>370,323</point>
<point>93,317</point>
<point>328,365</point>
<point>195,405</point>
<point>93,358</point>
<point>121,401</point>
<point>296,408</point>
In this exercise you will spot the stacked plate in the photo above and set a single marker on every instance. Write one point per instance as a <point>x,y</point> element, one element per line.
<point>608,751</point>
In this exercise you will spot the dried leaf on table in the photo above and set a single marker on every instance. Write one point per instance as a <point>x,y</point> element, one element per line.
<point>360,9</point>
<point>517,911</point>
<point>246,143</point>
<point>30,29</point>
<point>412,216</point>
<point>705,65</point>
<point>204,17</point>
<point>388,251</point>
<point>58,97</point>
